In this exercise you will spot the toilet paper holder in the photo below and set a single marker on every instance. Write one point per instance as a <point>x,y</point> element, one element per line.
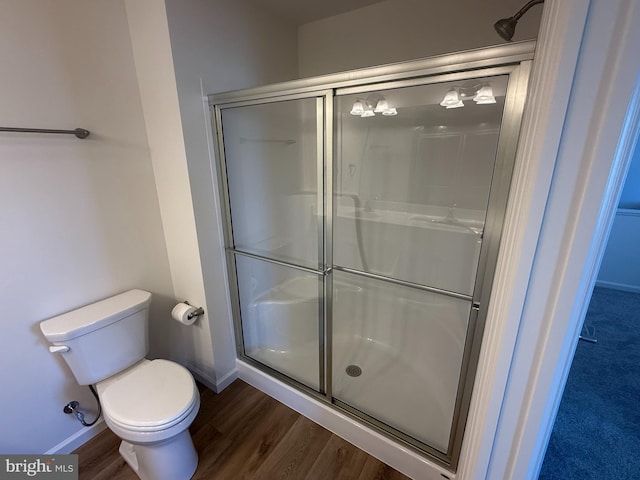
<point>198,311</point>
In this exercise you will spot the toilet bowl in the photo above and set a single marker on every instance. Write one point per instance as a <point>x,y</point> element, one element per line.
<point>149,404</point>
<point>150,407</point>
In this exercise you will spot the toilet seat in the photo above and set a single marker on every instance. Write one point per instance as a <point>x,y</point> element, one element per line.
<point>151,397</point>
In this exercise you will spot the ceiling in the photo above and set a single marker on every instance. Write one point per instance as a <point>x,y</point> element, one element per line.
<point>305,11</point>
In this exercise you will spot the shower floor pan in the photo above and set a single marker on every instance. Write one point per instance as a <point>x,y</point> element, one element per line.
<point>408,397</point>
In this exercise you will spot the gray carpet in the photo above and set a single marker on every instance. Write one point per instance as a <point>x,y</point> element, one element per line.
<point>597,431</point>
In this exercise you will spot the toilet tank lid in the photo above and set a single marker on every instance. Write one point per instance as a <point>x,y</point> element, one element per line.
<point>94,316</point>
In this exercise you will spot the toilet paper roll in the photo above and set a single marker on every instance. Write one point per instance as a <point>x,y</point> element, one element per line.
<point>181,313</point>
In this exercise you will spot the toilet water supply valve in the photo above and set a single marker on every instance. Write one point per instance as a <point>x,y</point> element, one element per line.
<point>73,407</point>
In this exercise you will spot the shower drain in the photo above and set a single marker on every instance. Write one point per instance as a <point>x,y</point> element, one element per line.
<point>353,371</point>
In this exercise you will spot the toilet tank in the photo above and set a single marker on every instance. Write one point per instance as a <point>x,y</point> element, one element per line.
<point>103,338</point>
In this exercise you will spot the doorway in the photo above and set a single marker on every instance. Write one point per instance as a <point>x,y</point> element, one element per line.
<point>597,429</point>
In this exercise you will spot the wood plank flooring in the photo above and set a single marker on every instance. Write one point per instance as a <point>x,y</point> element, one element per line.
<point>245,434</point>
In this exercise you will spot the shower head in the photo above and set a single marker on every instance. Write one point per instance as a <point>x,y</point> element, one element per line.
<point>506,27</point>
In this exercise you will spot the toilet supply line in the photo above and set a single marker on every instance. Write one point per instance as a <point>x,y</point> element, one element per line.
<point>74,407</point>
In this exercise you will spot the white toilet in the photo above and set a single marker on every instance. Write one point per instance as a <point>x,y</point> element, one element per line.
<point>149,404</point>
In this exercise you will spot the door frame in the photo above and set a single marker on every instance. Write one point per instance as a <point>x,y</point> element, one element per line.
<point>580,126</point>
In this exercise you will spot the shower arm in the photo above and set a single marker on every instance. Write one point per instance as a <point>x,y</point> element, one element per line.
<point>524,9</point>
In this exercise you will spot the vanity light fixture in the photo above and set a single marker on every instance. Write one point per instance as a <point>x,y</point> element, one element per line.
<point>482,94</point>
<point>364,108</point>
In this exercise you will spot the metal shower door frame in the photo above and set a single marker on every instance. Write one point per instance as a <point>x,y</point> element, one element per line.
<point>513,60</point>
<point>324,102</point>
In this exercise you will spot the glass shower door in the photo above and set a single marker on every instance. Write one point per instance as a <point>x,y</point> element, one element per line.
<point>273,165</point>
<point>412,188</point>
<point>363,219</point>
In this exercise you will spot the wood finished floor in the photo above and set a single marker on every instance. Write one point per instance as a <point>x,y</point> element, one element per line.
<point>243,433</point>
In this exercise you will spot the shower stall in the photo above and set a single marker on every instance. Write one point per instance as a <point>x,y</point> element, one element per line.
<point>363,217</point>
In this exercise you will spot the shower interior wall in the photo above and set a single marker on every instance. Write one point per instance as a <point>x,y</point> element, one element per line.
<point>280,148</point>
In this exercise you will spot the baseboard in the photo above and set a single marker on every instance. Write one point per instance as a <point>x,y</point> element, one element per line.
<point>618,286</point>
<point>210,382</point>
<point>384,449</point>
<point>226,380</point>
<point>78,439</point>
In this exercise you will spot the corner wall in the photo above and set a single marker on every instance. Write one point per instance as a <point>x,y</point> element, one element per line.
<point>185,50</point>
<point>190,346</point>
<point>79,218</point>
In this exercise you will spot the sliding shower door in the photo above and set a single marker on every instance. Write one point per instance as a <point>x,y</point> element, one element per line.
<point>274,179</point>
<point>412,190</point>
<point>363,219</point>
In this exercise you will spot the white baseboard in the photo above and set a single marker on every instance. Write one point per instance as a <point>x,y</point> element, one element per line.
<point>226,380</point>
<point>618,286</point>
<point>384,449</point>
<point>78,439</point>
<point>210,382</point>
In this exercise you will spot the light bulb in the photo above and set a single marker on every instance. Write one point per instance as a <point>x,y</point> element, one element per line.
<point>368,113</point>
<point>358,108</point>
<point>485,95</point>
<point>381,106</point>
<point>390,112</point>
<point>452,99</point>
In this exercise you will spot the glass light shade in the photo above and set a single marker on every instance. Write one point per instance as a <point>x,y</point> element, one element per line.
<point>381,106</point>
<point>390,112</point>
<point>368,113</point>
<point>358,108</point>
<point>485,95</point>
<point>452,99</point>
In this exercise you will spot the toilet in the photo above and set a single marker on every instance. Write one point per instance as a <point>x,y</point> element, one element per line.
<point>149,404</point>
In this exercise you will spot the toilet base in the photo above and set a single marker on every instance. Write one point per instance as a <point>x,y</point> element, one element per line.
<point>174,459</point>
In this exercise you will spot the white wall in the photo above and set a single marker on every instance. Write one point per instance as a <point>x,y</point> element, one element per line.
<point>183,51</point>
<point>79,218</point>
<point>229,44</point>
<point>398,30</point>
<point>630,197</point>
<point>620,267</point>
